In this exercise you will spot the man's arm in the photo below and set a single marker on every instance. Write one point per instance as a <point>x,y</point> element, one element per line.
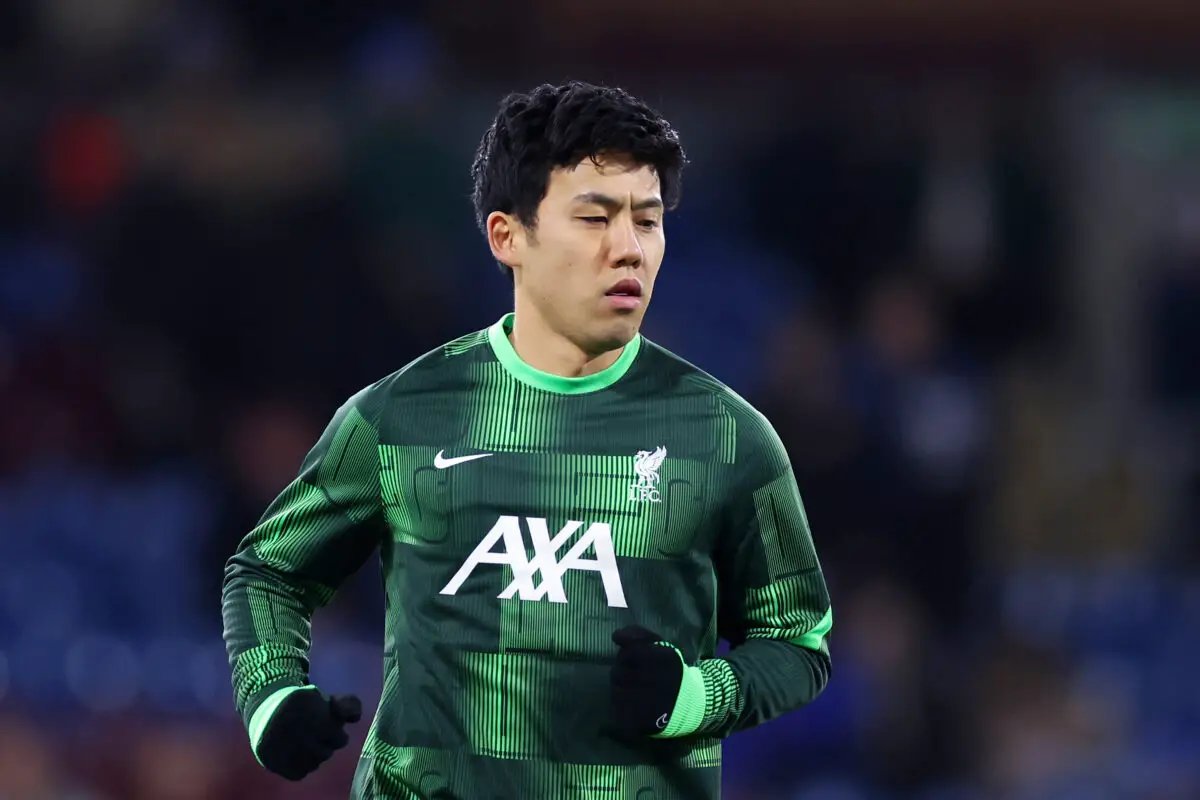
<point>775,609</point>
<point>319,530</point>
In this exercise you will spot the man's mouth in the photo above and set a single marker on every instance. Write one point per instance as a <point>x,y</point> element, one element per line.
<point>626,287</point>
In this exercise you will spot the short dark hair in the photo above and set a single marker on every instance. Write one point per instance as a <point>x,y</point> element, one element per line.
<point>549,127</point>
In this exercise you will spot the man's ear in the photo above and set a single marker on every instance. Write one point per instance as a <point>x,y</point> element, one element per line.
<point>507,238</point>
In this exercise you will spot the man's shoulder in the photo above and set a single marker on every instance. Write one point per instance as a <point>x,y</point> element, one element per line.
<point>754,440</point>
<point>439,368</point>
<point>693,379</point>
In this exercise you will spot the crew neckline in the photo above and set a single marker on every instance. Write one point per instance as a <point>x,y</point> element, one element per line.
<point>559,384</point>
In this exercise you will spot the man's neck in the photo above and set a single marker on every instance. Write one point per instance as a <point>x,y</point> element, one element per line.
<point>543,348</point>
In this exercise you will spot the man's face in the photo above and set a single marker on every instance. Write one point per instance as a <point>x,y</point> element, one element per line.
<point>589,266</point>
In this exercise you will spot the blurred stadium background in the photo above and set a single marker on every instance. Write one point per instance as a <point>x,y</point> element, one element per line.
<point>951,249</point>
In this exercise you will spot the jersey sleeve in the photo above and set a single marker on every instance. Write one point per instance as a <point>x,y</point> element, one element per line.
<point>775,608</point>
<point>317,532</point>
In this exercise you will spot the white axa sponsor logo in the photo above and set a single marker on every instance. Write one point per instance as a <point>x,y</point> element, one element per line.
<point>646,464</point>
<point>597,536</point>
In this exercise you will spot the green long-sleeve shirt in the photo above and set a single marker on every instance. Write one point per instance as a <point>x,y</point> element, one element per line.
<point>520,519</point>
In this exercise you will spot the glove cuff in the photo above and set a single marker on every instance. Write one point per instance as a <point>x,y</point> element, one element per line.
<point>688,713</point>
<point>264,712</point>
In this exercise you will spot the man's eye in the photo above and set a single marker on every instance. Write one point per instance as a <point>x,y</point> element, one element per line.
<point>594,219</point>
<point>649,224</point>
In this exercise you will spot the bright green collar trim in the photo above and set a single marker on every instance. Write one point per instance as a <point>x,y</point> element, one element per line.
<point>502,347</point>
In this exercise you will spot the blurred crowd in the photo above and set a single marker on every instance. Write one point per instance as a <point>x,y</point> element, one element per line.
<point>216,225</point>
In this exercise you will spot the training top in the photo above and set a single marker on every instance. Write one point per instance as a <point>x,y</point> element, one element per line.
<point>520,519</point>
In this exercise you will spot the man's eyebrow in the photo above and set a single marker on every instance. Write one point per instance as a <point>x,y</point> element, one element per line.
<point>610,202</point>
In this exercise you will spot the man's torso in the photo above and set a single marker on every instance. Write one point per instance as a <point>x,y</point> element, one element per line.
<point>525,526</point>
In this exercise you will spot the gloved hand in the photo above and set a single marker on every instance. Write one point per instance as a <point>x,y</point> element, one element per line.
<point>305,731</point>
<point>654,693</point>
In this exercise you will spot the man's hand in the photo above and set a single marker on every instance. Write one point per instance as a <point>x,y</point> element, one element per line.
<point>305,731</point>
<point>646,681</point>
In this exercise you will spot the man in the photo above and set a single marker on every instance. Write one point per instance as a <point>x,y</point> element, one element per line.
<point>568,516</point>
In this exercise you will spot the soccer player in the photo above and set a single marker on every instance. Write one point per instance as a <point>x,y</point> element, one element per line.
<point>568,516</point>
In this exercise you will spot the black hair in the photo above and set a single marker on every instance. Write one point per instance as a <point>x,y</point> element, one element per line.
<point>549,127</point>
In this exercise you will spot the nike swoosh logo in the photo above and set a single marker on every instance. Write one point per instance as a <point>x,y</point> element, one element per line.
<point>441,462</point>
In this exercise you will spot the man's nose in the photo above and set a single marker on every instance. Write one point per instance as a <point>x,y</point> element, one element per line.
<point>625,249</point>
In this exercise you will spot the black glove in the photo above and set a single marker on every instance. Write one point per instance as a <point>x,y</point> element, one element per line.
<point>305,731</point>
<point>645,681</point>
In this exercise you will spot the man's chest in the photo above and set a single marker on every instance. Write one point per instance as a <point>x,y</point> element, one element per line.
<point>644,504</point>
<point>532,515</point>
<point>646,472</point>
